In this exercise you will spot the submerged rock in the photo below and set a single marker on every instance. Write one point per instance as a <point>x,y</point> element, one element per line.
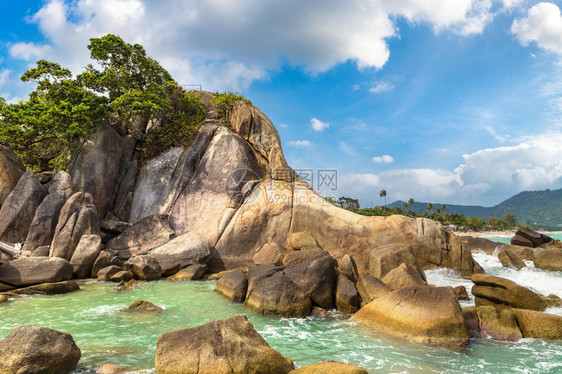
<point>422,314</point>
<point>33,349</point>
<point>226,346</point>
<point>330,367</point>
<point>143,306</point>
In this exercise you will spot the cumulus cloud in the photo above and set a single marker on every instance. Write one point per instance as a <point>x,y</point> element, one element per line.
<point>542,25</point>
<point>28,51</point>
<point>230,45</point>
<point>318,125</point>
<point>300,143</point>
<point>4,75</point>
<point>487,176</point>
<point>385,159</point>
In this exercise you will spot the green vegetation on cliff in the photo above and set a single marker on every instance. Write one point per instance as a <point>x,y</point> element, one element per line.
<point>130,92</point>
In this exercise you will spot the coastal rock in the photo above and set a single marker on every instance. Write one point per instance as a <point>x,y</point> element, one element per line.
<point>330,367</point>
<point>503,293</point>
<point>303,255</point>
<point>95,168</point>
<point>269,254</point>
<point>143,306</point>
<point>491,247</point>
<point>498,324</point>
<point>78,217</point>
<point>226,346</point>
<point>316,278</point>
<point>44,223</point>
<point>11,170</point>
<point>347,297</point>
<point>524,235</point>
<point>279,295</point>
<point>144,268</point>
<point>192,272</point>
<point>17,211</point>
<point>121,276</point>
<point>510,259</point>
<point>114,226</point>
<point>258,273</point>
<point>403,276</point>
<point>461,292</point>
<point>521,241</point>
<point>370,288</point>
<point>539,325</point>
<point>49,288</point>
<point>112,369</point>
<point>106,273</point>
<point>387,258</point>
<point>148,233</point>
<point>85,255</point>
<point>302,240</point>
<point>422,314</point>
<point>27,271</point>
<point>233,285</point>
<point>186,249</point>
<point>548,259</point>
<point>348,267</point>
<point>33,349</point>
<point>105,259</point>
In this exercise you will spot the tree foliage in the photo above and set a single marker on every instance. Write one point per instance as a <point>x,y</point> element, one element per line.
<point>129,91</point>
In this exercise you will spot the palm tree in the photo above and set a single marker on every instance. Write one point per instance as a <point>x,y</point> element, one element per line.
<point>383,194</point>
<point>429,209</point>
<point>411,205</point>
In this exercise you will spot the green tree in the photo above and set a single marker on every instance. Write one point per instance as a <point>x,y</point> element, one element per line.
<point>510,220</point>
<point>348,203</point>
<point>383,194</point>
<point>429,209</point>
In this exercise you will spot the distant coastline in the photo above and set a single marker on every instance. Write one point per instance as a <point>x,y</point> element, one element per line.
<point>497,233</point>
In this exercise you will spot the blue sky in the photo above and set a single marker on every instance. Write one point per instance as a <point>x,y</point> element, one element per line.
<point>452,101</point>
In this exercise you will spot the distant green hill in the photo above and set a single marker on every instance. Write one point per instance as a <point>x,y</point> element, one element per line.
<point>541,207</point>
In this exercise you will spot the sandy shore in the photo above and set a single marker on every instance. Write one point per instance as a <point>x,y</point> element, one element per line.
<point>485,233</point>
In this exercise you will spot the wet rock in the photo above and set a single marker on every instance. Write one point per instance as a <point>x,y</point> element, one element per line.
<point>510,259</point>
<point>498,324</point>
<point>187,249</point>
<point>85,255</point>
<point>257,273</point>
<point>11,170</point>
<point>4,298</point>
<point>233,285</point>
<point>106,273</point>
<point>422,314</point>
<point>461,292</point>
<point>33,349</point>
<point>316,278</point>
<point>192,272</point>
<point>27,271</point>
<point>318,312</point>
<point>548,259</point>
<point>330,367</point>
<point>148,233</point>
<point>503,293</point>
<point>539,325</point>
<point>121,276</point>
<point>127,286</point>
<point>144,268</point>
<point>403,276</point>
<point>143,306</point>
<point>17,211</point>
<point>226,346</point>
<point>49,288</point>
<point>347,297</point>
<point>524,236</point>
<point>279,295</point>
<point>370,288</point>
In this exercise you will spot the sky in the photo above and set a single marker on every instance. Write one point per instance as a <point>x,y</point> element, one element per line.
<point>444,101</point>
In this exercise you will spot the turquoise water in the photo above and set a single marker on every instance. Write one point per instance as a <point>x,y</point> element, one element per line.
<point>105,334</point>
<point>507,238</point>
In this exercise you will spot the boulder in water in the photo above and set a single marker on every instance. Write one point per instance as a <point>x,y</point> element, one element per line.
<point>144,268</point>
<point>548,259</point>
<point>370,288</point>
<point>510,259</point>
<point>27,271</point>
<point>347,297</point>
<point>503,293</point>
<point>143,306</point>
<point>233,285</point>
<point>539,325</point>
<point>330,367</point>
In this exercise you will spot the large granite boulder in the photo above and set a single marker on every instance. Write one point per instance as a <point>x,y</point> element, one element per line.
<point>44,223</point>
<point>403,276</point>
<point>348,267</point>
<point>33,349</point>
<point>386,258</point>
<point>330,367</point>
<point>503,293</point>
<point>510,259</point>
<point>27,271</point>
<point>95,168</point>
<point>187,249</point>
<point>77,217</point>
<point>17,211</point>
<point>85,255</point>
<point>529,238</point>
<point>233,286</point>
<point>303,255</point>
<point>539,325</point>
<point>269,254</point>
<point>279,295</point>
<point>49,288</point>
<point>370,288</point>
<point>487,321</point>
<point>226,346</point>
<point>145,235</point>
<point>11,169</point>
<point>347,297</point>
<point>548,259</point>
<point>144,268</point>
<point>422,314</point>
<point>105,259</point>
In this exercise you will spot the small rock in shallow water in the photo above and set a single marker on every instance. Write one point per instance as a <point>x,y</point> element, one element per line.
<point>143,306</point>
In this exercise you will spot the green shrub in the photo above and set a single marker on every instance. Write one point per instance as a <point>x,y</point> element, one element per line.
<point>224,101</point>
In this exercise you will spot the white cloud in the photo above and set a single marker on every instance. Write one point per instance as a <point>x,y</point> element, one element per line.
<point>300,143</point>
<point>487,176</point>
<point>283,125</point>
<point>28,51</point>
<point>542,25</point>
<point>385,159</point>
<point>206,41</point>
<point>381,87</point>
<point>318,125</point>
<point>4,75</point>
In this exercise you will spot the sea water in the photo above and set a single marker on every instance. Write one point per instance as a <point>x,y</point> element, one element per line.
<point>94,316</point>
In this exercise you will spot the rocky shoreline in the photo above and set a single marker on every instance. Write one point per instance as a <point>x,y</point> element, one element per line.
<point>190,214</point>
